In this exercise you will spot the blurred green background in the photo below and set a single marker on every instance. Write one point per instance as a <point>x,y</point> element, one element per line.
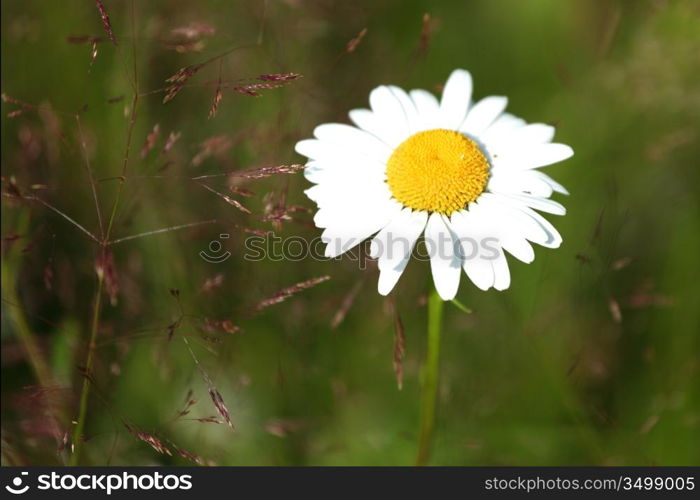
<point>591,357</point>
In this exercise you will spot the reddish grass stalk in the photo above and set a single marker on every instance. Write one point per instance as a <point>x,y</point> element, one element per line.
<point>425,33</point>
<point>287,292</point>
<point>85,392</point>
<point>399,346</point>
<point>106,24</point>
<point>352,44</point>
<point>95,198</point>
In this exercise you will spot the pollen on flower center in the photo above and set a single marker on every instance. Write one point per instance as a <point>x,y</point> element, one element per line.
<point>438,171</point>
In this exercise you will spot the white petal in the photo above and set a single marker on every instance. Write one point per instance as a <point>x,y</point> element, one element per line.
<point>310,148</point>
<point>412,119</point>
<point>338,244</point>
<point>315,149</point>
<point>483,114</point>
<point>538,133</point>
<point>501,273</point>
<point>427,108</point>
<point>505,180</point>
<point>367,121</point>
<point>533,156</point>
<point>554,239</point>
<point>346,229</point>
<point>501,129</point>
<point>477,251</point>
<point>346,194</point>
<point>445,261</point>
<point>389,111</point>
<point>495,221</point>
<point>545,178</point>
<point>542,204</point>
<point>518,247</point>
<point>389,277</point>
<point>339,216</point>
<point>509,182</point>
<point>480,272</point>
<point>456,97</point>
<point>347,136</point>
<point>313,171</point>
<point>345,171</point>
<point>397,239</point>
<point>383,102</point>
<point>521,221</point>
<point>535,228</point>
<point>393,246</point>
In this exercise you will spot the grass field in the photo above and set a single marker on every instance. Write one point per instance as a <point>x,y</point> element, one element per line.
<point>590,358</point>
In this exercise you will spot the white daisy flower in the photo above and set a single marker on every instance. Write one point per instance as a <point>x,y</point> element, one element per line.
<point>463,174</point>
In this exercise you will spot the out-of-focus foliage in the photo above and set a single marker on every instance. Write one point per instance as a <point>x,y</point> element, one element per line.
<point>591,357</point>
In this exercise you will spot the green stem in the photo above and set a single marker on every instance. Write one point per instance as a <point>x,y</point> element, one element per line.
<point>85,392</point>
<point>430,378</point>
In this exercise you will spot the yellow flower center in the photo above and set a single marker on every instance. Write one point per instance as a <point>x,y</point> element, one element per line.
<point>437,171</point>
